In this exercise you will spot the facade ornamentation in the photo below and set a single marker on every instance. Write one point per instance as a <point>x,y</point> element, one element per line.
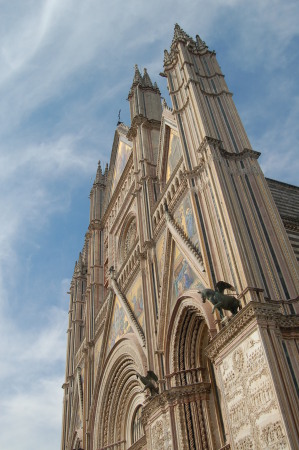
<point>182,204</point>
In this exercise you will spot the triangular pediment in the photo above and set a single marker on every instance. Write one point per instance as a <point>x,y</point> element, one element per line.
<point>121,152</point>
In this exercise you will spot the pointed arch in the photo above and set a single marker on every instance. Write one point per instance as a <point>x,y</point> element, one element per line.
<point>188,304</point>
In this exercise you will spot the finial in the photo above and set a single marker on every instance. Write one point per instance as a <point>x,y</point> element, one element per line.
<point>164,104</point>
<point>147,82</point>
<point>119,121</point>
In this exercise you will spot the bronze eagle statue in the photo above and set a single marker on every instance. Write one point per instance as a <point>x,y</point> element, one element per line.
<point>149,381</point>
<point>220,300</point>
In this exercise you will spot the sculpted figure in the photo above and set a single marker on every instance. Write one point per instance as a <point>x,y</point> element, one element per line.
<point>220,300</point>
<point>149,382</point>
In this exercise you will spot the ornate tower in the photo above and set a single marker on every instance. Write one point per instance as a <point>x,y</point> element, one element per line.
<point>242,236</point>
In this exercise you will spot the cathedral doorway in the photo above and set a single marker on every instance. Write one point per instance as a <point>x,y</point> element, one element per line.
<point>190,374</point>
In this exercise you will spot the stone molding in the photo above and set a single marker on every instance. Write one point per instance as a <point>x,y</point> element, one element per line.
<point>263,313</point>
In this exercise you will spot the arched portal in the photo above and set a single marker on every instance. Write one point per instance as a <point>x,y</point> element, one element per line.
<point>190,375</point>
<point>119,397</point>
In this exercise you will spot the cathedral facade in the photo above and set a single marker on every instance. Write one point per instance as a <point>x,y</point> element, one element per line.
<point>151,362</point>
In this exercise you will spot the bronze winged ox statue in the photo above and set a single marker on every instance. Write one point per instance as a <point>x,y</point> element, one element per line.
<point>220,300</point>
<point>148,382</point>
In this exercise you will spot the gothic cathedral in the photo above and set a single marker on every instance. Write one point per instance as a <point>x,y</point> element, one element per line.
<point>183,322</point>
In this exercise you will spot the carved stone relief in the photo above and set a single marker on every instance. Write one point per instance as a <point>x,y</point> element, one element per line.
<point>254,417</point>
<point>161,434</point>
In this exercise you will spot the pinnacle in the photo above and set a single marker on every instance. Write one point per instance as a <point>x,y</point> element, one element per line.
<point>99,174</point>
<point>200,43</point>
<point>180,34</point>
<point>147,82</point>
<point>79,265</point>
<point>137,76</point>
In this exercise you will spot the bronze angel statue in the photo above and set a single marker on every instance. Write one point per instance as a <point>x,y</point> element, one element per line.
<point>220,300</point>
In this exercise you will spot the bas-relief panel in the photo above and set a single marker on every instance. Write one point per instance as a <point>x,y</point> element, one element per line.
<point>174,154</point>
<point>123,154</point>
<point>185,218</point>
<point>183,276</point>
<point>135,299</point>
<point>254,417</point>
<point>161,434</point>
<point>119,324</point>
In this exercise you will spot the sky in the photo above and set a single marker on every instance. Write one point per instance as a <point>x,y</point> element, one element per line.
<point>66,70</point>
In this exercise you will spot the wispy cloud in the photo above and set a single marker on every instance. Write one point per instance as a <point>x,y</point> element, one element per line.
<point>66,68</point>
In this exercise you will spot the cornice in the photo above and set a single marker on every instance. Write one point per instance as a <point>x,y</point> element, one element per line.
<point>177,394</point>
<point>95,224</point>
<point>207,140</point>
<point>246,153</point>
<point>209,93</point>
<point>262,313</point>
<point>179,110</point>
<point>138,120</point>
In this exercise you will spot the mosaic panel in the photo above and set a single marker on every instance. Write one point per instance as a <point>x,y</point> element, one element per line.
<point>183,276</point>
<point>123,154</point>
<point>119,326</point>
<point>135,299</point>
<point>174,154</point>
<point>185,218</point>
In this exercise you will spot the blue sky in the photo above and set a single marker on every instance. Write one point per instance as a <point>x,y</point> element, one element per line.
<point>66,70</point>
